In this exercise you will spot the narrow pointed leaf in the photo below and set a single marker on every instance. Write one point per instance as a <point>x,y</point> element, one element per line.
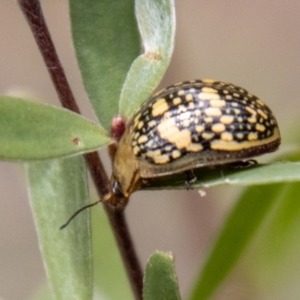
<point>241,226</point>
<point>255,175</point>
<point>106,41</point>
<point>31,131</point>
<point>156,21</point>
<point>273,255</point>
<point>160,282</point>
<point>259,174</point>
<point>274,266</point>
<point>57,189</point>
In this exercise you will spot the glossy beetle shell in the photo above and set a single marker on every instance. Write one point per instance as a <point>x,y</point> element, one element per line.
<point>189,125</point>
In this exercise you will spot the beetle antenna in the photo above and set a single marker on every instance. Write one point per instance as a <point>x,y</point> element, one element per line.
<point>81,209</point>
<point>77,212</point>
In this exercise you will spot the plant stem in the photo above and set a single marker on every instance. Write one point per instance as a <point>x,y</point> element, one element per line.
<point>119,225</point>
<point>34,16</point>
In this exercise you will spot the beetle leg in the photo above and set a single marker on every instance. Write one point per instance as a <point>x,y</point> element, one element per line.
<point>242,164</point>
<point>190,179</point>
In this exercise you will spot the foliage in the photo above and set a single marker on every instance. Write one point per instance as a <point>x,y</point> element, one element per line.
<point>117,80</point>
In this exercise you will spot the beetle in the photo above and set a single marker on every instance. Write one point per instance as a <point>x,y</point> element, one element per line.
<point>188,125</point>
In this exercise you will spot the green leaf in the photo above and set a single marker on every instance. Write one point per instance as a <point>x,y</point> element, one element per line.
<point>106,41</point>
<point>160,282</point>
<point>156,21</point>
<point>274,255</point>
<point>57,189</point>
<point>241,226</point>
<point>31,131</point>
<point>109,271</point>
<point>254,175</point>
<point>259,174</point>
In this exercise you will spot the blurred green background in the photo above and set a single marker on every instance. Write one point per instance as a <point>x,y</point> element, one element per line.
<point>254,44</point>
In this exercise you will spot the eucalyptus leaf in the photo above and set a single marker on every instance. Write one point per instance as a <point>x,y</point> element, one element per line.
<point>57,189</point>
<point>156,21</point>
<point>160,282</point>
<point>34,131</point>
<point>106,41</point>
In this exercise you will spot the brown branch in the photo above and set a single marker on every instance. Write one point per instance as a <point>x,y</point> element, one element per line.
<point>120,229</point>
<point>34,16</point>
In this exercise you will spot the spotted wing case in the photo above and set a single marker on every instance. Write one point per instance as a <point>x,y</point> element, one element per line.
<point>193,124</point>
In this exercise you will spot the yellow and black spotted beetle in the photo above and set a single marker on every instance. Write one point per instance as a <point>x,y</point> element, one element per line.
<point>189,125</point>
